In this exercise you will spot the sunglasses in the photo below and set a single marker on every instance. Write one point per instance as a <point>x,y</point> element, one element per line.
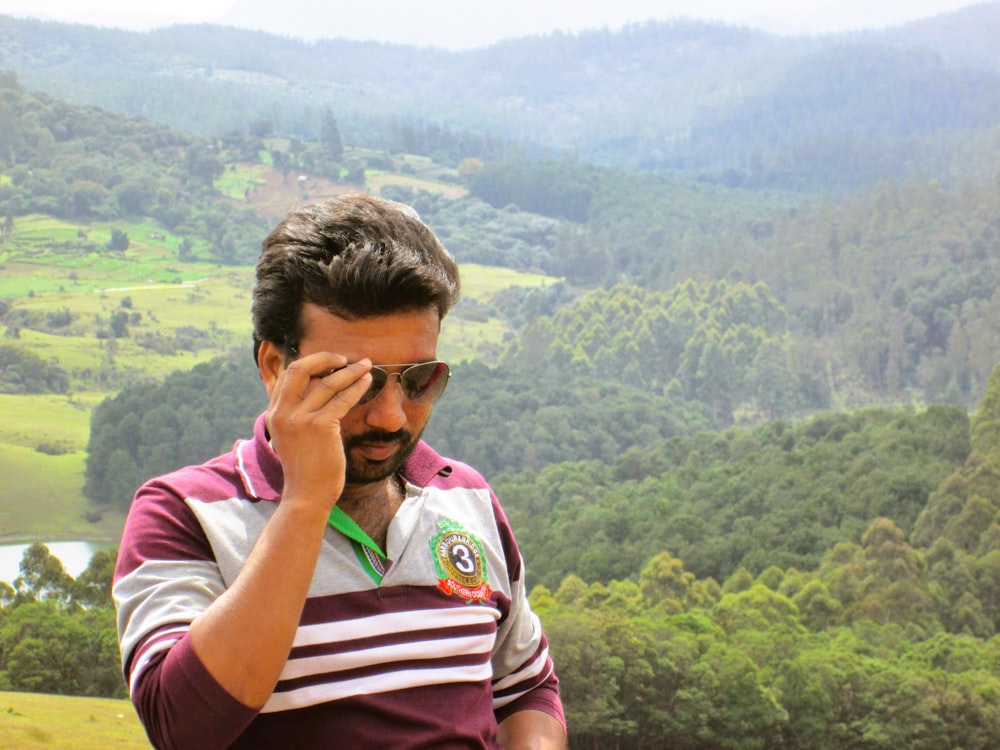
<point>422,383</point>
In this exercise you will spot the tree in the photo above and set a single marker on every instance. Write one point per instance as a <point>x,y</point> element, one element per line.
<point>119,324</point>
<point>203,163</point>
<point>92,588</point>
<point>45,648</point>
<point>42,577</point>
<point>590,672</point>
<point>119,240</point>
<point>665,583</point>
<point>330,138</point>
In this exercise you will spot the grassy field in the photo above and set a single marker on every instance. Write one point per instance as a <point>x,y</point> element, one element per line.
<point>42,495</point>
<point>30,721</point>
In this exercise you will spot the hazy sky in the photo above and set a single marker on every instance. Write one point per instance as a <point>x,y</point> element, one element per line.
<point>521,17</point>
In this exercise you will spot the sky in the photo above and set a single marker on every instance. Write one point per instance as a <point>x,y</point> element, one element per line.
<point>465,23</point>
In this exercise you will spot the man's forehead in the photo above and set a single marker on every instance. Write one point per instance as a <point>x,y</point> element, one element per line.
<point>412,333</point>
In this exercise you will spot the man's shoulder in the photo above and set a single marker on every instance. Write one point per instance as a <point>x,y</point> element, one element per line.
<point>425,467</point>
<point>216,478</point>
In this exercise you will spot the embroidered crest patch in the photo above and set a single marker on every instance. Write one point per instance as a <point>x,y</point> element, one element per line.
<point>460,562</point>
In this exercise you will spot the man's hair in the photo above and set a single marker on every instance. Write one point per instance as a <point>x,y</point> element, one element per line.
<point>357,256</point>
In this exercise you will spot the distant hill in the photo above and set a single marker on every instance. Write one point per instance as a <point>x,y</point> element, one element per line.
<point>703,97</point>
<point>848,116</point>
<point>967,36</point>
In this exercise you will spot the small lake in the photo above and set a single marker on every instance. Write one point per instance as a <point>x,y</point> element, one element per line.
<point>75,556</point>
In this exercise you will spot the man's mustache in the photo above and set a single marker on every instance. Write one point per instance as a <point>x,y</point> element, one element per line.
<point>378,437</point>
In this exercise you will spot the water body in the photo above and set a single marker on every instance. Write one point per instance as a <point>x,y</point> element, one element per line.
<point>75,557</point>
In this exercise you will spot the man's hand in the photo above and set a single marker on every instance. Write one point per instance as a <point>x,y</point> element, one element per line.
<point>308,401</point>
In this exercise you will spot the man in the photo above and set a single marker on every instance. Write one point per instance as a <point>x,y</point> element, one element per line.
<point>333,582</point>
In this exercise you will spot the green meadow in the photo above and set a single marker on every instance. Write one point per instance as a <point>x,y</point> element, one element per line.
<point>45,254</point>
<point>42,496</point>
<point>239,179</point>
<point>30,721</point>
<point>179,315</point>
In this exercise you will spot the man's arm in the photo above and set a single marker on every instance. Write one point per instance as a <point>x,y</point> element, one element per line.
<point>526,689</point>
<point>244,637</point>
<point>531,730</point>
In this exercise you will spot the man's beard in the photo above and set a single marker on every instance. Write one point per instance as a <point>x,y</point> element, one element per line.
<point>361,470</point>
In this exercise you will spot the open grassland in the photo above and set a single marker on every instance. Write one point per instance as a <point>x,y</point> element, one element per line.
<point>34,419</point>
<point>30,721</point>
<point>45,254</point>
<point>171,326</point>
<point>482,282</point>
<point>42,498</point>
<point>174,326</point>
<point>272,192</point>
<point>239,180</point>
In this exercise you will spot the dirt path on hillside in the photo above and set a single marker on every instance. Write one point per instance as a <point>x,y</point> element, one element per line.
<point>277,195</point>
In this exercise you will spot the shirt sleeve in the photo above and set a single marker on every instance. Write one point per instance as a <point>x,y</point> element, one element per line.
<point>166,576</point>
<point>524,676</point>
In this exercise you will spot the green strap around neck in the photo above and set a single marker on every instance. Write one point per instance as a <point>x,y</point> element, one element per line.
<point>370,555</point>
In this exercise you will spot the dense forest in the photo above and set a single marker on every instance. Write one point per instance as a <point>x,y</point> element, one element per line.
<point>889,642</point>
<point>749,440</point>
<point>842,591</point>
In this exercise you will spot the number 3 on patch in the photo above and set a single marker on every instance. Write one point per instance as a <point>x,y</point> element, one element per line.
<point>460,562</point>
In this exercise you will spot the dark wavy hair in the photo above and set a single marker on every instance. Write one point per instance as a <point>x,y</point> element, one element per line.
<point>357,256</point>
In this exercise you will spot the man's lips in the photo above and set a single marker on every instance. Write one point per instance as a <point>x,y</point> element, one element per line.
<point>377,451</point>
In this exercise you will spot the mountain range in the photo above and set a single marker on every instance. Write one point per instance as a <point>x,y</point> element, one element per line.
<point>662,95</point>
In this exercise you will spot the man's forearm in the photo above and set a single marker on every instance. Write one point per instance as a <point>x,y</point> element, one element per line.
<point>532,730</point>
<point>244,638</point>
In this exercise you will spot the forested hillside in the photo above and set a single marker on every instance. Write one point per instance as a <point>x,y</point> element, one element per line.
<point>889,643</point>
<point>845,117</point>
<point>889,291</point>
<point>84,164</point>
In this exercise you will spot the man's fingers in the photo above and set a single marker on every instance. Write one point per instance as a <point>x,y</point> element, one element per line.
<point>345,386</point>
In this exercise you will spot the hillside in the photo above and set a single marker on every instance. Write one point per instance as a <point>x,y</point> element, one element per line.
<point>741,303</point>
<point>966,37</point>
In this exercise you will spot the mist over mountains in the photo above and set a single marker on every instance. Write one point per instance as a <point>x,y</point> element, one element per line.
<point>449,24</point>
<point>679,95</point>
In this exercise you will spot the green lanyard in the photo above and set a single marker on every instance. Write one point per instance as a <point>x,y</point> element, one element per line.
<point>372,559</point>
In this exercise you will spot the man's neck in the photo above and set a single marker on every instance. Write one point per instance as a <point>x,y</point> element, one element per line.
<point>373,506</point>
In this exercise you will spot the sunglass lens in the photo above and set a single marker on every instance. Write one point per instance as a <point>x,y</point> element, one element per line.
<point>423,384</point>
<point>379,378</point>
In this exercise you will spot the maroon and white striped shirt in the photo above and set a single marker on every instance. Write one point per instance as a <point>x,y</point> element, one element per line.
<point>434,654</point>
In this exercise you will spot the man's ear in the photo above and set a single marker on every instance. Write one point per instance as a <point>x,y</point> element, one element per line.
<point>271,363</point>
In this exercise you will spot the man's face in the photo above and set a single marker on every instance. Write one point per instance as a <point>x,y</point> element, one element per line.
<point>380,434</point>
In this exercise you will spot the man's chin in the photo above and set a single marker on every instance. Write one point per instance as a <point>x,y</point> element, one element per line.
<point>368,468</point>
<point>374,461</point>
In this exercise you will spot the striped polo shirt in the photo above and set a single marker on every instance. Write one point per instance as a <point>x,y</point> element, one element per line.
<point>428,643</point>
